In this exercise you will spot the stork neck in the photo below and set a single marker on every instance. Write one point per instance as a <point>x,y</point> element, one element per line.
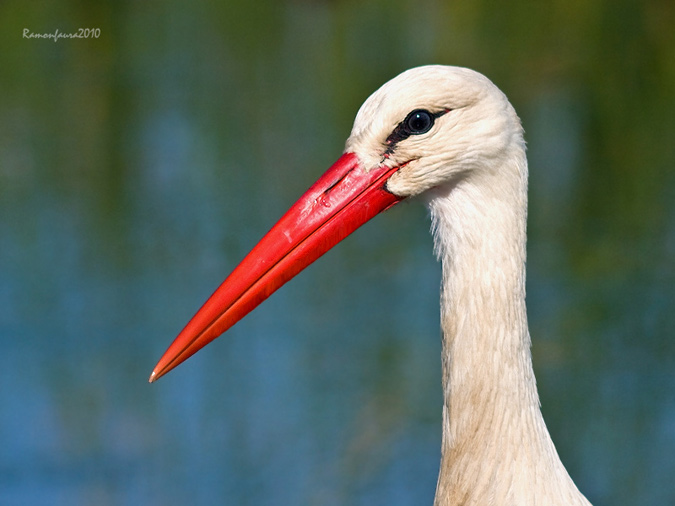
<point>495,442</point>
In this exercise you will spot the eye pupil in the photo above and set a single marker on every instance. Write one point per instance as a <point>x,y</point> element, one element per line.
<point>419,121</point>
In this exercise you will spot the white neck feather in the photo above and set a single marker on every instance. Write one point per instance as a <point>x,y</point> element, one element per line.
<point>496,448</point>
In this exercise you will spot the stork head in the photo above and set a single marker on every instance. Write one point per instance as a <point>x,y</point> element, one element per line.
<point>427,127</point>
<point>436,123</point>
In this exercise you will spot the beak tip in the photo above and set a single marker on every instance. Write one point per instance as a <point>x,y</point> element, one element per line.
<point>153,377</point>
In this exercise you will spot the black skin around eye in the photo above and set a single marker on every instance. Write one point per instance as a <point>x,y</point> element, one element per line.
<point>417,122</point>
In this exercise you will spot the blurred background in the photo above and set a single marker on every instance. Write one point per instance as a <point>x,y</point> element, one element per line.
<point>137,169</point>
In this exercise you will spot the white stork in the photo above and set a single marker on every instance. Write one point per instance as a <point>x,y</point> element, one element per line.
<point>450,136</point>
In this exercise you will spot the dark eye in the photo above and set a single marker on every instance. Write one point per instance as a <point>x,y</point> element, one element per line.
<point>419,121</point>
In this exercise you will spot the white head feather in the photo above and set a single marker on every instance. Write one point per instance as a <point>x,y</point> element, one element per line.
<point>479,131</point>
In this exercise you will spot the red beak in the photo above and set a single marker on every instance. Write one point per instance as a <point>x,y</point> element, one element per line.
<point>342,200</point>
